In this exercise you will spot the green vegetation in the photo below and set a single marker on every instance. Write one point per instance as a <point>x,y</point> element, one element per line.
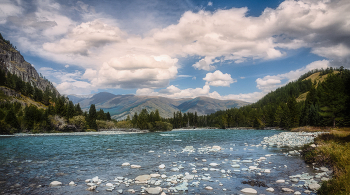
<point>326,103</point>
<point>58,114</point>
<point>334,151</point>
<point>151,121</point>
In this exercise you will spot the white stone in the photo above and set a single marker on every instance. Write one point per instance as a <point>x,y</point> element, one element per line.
<point>249,191</point>
<point>109,185</point>
<point>72,183</point>
<point>267,171</point>
<point>143,178</point>
<point>213,164</point>
<point>287,190</point>
<point>313,145</point>
<point>235,166</point>
<point>88,181</point>
<point>126,164</point>
<point>208,188</point>
<point>155,175</point>
<point>314,186</point>
<point>297,193</point>
<point>95,179</point>
<point>270,189</point>
<point>280,181</point>
<point>92,188</point>
<point>204,160</point>
<point>155,190</point>
<point>55,183</point>
<point>162,166</point>
<point>135,166</point>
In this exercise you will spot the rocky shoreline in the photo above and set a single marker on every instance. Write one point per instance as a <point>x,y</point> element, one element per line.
<point>171,178</point>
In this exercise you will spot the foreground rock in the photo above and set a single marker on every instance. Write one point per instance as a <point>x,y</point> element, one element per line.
<point>155,190</point>
<point>55,183</point>
<point>249,191</point>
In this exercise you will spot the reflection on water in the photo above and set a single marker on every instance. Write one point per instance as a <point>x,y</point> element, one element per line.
<point>27,162</point>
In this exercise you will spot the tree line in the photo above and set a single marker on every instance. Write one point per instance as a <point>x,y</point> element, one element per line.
<point>327,103</point>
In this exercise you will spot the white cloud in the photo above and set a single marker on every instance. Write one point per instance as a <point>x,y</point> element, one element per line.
<point>269,83</point>
<point>9,8</point>
<point>136,71</point>
<point>210,3</point>
<point>67,66</point>
<point>219,79</point>
<point>205,64</point>
<point>76,87</point>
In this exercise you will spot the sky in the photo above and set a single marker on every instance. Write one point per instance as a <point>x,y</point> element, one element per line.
<point>237,49</point>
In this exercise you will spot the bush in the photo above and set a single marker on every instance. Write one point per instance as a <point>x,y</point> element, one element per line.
<point>78,121</point>
<point>124,124</point>
<point>162,126</point>
<point>105,124</point>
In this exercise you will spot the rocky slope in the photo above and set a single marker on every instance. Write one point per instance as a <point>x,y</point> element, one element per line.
<point>11,60</point>
<point>120,106</point>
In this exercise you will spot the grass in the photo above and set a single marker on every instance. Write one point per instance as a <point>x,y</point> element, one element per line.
<point>333,151</point>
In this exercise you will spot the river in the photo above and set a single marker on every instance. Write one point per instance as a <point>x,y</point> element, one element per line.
<point>29,164</point>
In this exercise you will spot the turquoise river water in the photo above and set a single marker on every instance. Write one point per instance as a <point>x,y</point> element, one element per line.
<point>27,162</point>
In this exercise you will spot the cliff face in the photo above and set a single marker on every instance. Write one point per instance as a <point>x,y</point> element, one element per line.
<point>11,60</point>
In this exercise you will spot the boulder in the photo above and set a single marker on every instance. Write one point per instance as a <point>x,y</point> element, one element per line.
<point>72,183</point>
<point>270,189</point>
<point>314,186</point>
<point>249,191</point>
<point>155,190</point>
<point>55,183</point>
<point>297,193</point>
<point>143,178</point>
<point>280,181</point>
<point>92,188</point>
<point>287,190</point>
<point>213,164</point>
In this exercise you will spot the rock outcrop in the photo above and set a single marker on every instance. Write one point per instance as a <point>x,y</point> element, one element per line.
<point>12,61</point>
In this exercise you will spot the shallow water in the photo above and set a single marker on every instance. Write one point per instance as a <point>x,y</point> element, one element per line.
<point>32,161</point>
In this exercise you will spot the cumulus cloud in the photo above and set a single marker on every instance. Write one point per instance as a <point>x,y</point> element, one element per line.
<point>269,83</point>
<point>219,79</point>
<point>136,71</point>
<point>9,8</point>
<point>84,37</point>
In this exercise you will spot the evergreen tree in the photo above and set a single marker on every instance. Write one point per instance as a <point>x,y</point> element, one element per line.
<point>70,110</point>
<point>293,112</point>
<point>92,117</point>
<point>11,119</point>
<point>78,110</point>
<point>108,116</point>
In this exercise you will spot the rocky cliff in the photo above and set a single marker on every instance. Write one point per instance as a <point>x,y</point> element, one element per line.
<point>11,60</point>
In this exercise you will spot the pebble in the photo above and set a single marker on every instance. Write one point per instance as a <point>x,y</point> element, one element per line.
<point>270,189</point>
<point>280,181</point>
<point>297,193</point>
<point>314,186</point>
<point>287,190</point>
<point>55,183</point>
<point>72,183</point>
<point>126,164</point>
<point>135,166</point>
<point>155,190</point>
<point>162,166</point>
<point>208,188</point>
<point>249,190</point>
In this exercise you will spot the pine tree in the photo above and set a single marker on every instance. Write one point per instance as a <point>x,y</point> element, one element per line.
<point>92,117</point>
<point>78,110</point>
<point>11,119</point>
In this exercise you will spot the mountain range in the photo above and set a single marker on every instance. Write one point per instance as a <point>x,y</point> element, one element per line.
<point>120,106</point>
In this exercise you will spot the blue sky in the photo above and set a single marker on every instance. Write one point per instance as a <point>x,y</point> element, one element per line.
<point>178,49</point>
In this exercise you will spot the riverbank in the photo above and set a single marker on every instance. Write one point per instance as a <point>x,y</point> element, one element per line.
<point>332,150</point>
<point>72,133</point>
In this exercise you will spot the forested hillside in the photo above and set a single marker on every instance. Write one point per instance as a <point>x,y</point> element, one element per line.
<point>323,100</point>
<point>30,103</point>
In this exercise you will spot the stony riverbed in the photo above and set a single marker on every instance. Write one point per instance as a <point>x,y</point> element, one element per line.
<point>199,166</point>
